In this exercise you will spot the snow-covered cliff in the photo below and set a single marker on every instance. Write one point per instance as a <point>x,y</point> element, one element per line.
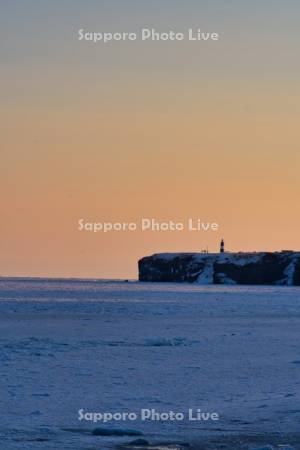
<point>279,268</point>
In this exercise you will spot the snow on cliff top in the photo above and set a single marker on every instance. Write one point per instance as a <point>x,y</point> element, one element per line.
<point>240,258</point>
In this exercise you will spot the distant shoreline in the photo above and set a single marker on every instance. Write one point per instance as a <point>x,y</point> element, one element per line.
<point>75,279</point>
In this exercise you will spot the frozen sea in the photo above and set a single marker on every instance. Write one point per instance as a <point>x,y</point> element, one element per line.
<point>112,346</point>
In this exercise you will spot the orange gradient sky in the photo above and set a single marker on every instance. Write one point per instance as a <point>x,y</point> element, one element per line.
<point>128,130</point>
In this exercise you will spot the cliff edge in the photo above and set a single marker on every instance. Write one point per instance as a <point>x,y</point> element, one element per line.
<point>278,268</point>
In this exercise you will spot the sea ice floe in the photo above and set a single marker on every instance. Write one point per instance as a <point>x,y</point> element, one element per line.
<point>165,342</point>
<point>115,432</point>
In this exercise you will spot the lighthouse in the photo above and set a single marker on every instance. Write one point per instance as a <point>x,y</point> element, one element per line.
<point>222,246</point>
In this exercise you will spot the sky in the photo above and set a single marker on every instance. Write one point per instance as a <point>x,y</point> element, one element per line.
<point>126,130</point>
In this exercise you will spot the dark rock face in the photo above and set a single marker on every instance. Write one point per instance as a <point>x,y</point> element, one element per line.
<point>280,268</point>
<point>296,278</point>
<point>156,268</point>
<point>268,270</point>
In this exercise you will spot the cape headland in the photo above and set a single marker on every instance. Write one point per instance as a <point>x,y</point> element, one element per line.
<point>260,268</point>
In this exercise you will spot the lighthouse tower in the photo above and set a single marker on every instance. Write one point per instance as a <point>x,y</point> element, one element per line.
<point>222,246</point>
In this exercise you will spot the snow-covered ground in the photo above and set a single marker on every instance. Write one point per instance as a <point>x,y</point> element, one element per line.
<point>121,347</point>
